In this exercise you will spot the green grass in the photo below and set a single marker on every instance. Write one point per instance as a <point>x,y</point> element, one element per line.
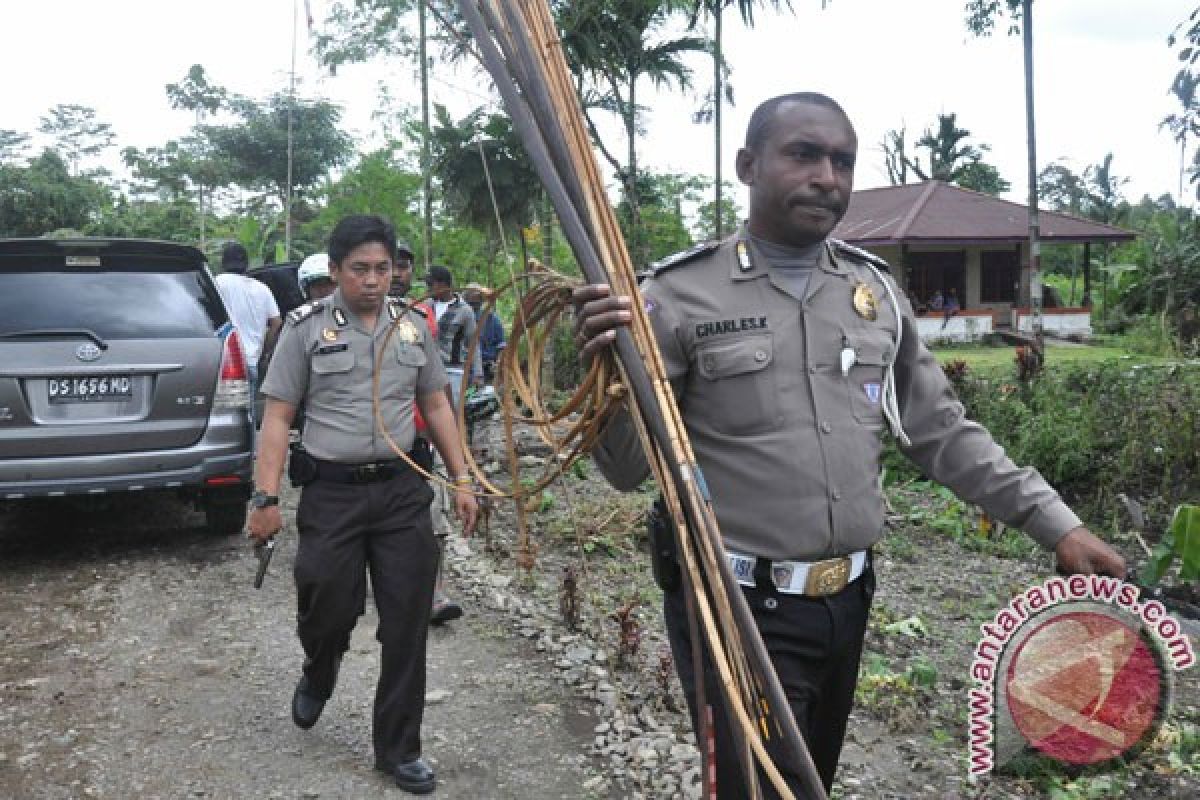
<point>996,359</point>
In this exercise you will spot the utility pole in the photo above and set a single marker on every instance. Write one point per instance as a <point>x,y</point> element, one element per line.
<point>1035,247</point>
<point>287,211</point>
<point>426,182</point>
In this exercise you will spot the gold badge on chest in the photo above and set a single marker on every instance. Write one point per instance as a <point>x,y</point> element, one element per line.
<point>408,332</point>
<point>866,304</point>
<point>329,334</point>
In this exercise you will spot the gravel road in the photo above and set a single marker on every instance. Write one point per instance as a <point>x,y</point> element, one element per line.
<point>137,661</point>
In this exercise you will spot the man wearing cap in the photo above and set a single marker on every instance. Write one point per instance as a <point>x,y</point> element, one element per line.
<point>491,335</point>
<point>362,510</point>
<point>791,354</point>
<point>251,306</point>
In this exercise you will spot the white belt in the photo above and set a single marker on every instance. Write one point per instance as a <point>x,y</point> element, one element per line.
<point>814,579</point>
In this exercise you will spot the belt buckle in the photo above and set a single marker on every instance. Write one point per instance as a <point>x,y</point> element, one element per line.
<point>365,473</point>
<point>827,577</point>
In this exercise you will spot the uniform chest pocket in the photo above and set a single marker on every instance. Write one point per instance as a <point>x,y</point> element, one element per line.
<point>333,363</point>
<point>864,380</point>
<point>736,392</point>
<point>409,355</point>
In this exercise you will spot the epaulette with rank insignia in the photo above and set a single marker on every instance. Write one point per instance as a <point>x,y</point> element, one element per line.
<point>301,313</point>
<point>419,309</point>
<point>683,257</point>
<point>859,254</point>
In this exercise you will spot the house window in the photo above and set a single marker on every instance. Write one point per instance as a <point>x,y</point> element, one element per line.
<point>1001,272</point>
<point>937,272</point>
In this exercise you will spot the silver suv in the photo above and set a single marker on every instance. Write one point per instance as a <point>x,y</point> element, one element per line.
<point>120,372</point>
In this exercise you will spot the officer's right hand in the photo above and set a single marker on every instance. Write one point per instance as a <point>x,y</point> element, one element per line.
<point>597,317</point>
<point>264,523</point>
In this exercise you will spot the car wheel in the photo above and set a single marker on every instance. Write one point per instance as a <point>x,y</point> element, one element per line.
<point>225,519</point>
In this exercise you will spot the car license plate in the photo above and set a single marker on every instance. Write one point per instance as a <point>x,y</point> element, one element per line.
<point>93,389</point>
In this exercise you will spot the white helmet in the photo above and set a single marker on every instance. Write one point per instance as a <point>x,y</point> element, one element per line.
<point>313,268</point>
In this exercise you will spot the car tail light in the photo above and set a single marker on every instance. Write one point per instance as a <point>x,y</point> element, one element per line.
<point>233,388</point>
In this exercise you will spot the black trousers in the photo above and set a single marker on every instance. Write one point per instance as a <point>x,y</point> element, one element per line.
<point>347,530</point>
<point>815,646</point>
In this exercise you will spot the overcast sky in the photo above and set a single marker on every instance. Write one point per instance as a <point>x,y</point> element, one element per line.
<point>1102,75</point>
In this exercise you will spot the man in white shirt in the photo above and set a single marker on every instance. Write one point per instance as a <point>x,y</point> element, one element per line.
<point>251,306</point>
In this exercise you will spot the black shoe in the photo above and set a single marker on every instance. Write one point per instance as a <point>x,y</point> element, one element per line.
<point>306,706</point>
<point>444,612</point>
<point>415,776</point>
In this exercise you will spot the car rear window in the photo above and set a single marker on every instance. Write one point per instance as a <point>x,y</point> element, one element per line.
<point>114,304</point>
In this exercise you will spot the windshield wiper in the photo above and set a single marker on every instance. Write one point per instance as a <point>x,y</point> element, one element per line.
<point>35,333</point>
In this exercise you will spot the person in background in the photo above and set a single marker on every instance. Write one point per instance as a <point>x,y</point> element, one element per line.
<point>314,279</point>
<point>252,308</point>
<point>491,337</point>
<point>456,329</point>
<point>444,608</point>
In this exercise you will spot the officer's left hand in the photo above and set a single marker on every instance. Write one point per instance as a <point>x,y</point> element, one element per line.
<point>1081,552</point>
<point>466,509</point>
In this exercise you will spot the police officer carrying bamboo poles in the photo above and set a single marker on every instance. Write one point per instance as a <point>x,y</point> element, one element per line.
<point>789,353</point>
<point>362,509</point>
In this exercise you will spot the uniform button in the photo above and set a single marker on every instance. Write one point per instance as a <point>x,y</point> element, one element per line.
<point>826,427</point>
<point>760,355</point>
<point>837,496</point>
<point>709,362</point>
<point>812,370</point>
<point>770,604</point>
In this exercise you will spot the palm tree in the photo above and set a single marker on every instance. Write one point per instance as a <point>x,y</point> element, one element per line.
<point>614,45</point>
<point>1186,88</point>
<point>720,92</point>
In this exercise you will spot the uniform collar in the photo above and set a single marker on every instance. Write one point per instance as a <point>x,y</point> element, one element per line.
<point>343,316</point>
<point>749,262</point>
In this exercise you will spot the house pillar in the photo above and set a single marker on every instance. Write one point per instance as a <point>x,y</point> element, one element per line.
<point>1087,275</point>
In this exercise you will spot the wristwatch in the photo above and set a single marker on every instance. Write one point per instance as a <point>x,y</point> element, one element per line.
<point>261,499</point>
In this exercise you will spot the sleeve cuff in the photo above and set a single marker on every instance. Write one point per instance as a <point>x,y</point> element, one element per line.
<point>1051,523</point>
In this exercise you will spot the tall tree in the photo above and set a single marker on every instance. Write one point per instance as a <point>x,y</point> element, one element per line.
<point>1185,124</point>
<point>721,92</point>
<point>486,178</point>
<point>255,149</point>
<point>981,20</point>
<point>895,155</point>
<point>12,145</point>
<point>615,45</point>
<point>196,94</point>
<point>949,158</point>
<point>77,133</point>
<point>44,196</point>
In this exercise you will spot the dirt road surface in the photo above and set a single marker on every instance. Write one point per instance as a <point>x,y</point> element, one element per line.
<point>136,661</point>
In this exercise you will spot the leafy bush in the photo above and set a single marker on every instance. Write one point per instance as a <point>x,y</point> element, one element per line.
<point>1095,430</point>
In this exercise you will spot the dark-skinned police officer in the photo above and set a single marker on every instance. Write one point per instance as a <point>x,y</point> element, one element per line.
<point>362,509</point>
<point>790,354</point>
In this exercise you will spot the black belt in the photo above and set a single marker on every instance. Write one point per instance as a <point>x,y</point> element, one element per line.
<point>370,472</point>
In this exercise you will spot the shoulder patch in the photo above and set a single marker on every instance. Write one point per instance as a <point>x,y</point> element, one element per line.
<point>678,259</point>
<point>419,309</point>
<point>301,313</point>
<point>858,254</point>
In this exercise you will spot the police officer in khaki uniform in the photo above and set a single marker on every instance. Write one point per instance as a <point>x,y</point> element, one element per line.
<point>362,508</point>
<point>790,355</point>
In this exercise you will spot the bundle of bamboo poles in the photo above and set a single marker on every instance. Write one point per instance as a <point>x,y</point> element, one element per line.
<point>519,45</point>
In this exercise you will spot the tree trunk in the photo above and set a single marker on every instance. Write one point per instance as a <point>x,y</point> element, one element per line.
<point>718,102</point>
<point>631,192</point>
<point>547,216</point>
<point>1035,254</point>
